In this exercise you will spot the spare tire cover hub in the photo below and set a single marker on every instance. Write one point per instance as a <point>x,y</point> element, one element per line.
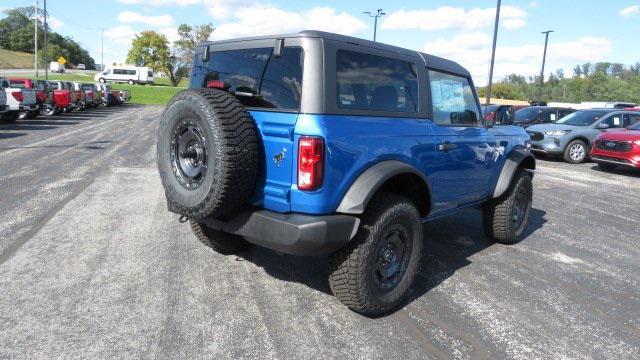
<point>189,154</point>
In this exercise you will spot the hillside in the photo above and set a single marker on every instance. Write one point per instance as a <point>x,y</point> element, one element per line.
<point>15,59</point>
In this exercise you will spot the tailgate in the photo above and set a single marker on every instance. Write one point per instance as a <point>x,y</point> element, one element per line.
<point>277,165</point>
<point>29,97</point>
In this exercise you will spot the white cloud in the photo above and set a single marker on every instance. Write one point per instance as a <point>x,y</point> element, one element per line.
<point>170,33</point>
<point>473,51</point>
<point>224,9</point>
<point>121,34</point>
<point>534,4</point>
<point>447,17</point>
<point>181,3</point>
<point>133,17</point>
<point>268,19</point>
<point>629,11</point>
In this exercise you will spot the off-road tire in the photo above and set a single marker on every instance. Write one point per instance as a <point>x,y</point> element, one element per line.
<point>606,166</point>
<point>9,116</point>
<point>498,214</point>
<point>219,241</point>
<point>352,273</point>
<point>567,152</point>
<point>231,143</point>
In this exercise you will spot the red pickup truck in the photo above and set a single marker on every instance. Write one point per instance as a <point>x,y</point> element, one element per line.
<point>65,98</point>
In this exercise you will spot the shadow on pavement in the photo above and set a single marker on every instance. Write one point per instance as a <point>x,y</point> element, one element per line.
<point>620,170</point>
<point>449,242</point>
<point>11,135</point>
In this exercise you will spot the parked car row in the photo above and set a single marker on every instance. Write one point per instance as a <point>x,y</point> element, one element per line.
<point>23,98</point>
<point>610,135</point>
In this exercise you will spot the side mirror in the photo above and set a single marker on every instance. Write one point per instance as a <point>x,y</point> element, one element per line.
<point>602,126</point>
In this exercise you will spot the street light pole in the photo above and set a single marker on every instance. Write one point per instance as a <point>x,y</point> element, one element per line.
<point>102,51</point>
<point>544,59</point>
<point>46,43</point>
<point>375,17</point>
<point>493,53</point>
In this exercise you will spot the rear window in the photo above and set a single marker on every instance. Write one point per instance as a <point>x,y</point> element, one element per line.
<point>257,78</point>
<point>376,83</point>
<point>18,84</point>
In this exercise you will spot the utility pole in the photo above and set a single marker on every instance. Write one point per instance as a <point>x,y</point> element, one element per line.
<point>46,43</point>
<point>102,50</point>
<point>375,17</point>
<point>35,35</point>
<point>493,53</point>
<point>544,59</point>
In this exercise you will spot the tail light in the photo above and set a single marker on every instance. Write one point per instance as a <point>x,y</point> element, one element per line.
<point>18,95</point>
<point>310,163</point>
<point>489,116</point>
<point>215,84</point>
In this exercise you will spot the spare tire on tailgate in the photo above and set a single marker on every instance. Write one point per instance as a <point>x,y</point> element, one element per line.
<point>207,154</point>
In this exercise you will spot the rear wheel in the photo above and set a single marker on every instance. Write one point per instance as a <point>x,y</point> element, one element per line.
<point>506,217</point>
<point>130,82</point>
<point>372,273</point>
<point>102,80</point>
<point>576,152</point>
<point>219,241</point>
<point>49,111</point>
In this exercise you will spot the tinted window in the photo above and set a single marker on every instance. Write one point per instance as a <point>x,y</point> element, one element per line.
<point>582,118</point>
<point>257,78</point>
<point>614,121</point>
<point>453,100</point>
<point>527,115</point>
<point>86,87</point>
<point>53,85</point>
<point>4,83</point>
<point>150,73</point>
<point>634,119</point>
<point>550,116</point>
<point>369,82</point>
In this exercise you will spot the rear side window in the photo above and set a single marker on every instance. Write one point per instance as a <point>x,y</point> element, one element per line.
<point>257,78</point>
<point>376,83</point>
<point>150,73</point>
<point>453,100</point>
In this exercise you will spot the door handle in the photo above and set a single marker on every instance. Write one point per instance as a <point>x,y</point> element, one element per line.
<point>447,147</point>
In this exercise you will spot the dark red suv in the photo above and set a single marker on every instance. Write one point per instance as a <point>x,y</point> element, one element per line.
<point>619,147</point>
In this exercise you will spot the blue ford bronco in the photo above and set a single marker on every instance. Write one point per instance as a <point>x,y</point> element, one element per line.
<point>321,144</point>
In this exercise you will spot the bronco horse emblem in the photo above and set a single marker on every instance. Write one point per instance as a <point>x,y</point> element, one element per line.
<point>277,158</point>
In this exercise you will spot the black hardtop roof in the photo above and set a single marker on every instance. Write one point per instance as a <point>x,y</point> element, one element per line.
<point>430,61</point>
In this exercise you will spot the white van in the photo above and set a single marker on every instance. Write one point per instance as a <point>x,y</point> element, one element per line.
<point>128,74</point>
<point>55,66</point>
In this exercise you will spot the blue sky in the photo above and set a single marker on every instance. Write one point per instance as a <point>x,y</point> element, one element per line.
<point>585,31</point>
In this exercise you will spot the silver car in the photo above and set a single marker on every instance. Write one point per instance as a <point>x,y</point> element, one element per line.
<point>571,136</point>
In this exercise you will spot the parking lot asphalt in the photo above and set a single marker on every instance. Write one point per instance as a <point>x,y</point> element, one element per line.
<point>93,266</point>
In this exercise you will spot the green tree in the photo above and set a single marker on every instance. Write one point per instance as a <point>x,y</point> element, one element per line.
<point>151,49</point>
<point>189,38</point>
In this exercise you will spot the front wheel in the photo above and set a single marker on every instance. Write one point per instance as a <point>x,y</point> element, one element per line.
<point>576,152</point>
<point>102,81</point>
<point>372,273</point>
<point>506,217</point>
<point>49,111</point>
<point>130,82</point>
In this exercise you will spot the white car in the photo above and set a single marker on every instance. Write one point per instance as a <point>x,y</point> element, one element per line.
<point>81,67</point>
<point>55,66</point>
<point>17,100</point>
<point>127,74</point>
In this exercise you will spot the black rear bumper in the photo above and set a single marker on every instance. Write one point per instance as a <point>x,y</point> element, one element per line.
<point>295,234</point>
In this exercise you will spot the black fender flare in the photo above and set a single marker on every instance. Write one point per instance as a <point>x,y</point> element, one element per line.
<point>516,157</point>
<point>357,197</point>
